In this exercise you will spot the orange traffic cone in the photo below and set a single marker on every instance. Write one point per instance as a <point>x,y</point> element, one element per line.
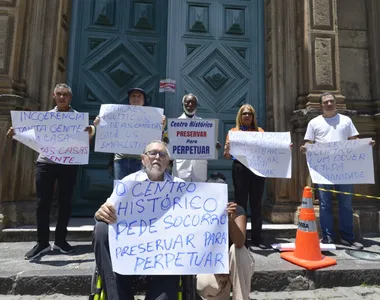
<point>308,251</point>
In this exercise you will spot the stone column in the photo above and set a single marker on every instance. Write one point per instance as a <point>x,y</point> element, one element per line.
<point>33,51</point>
<point>302,62</point>
<point>281,92</point>
<point>319,53</point>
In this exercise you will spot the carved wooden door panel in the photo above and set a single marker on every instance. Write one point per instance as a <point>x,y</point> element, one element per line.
<point>216,51</point>
<point>114,45</point>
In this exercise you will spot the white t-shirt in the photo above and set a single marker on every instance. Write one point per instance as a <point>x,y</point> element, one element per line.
<point>325,130</point>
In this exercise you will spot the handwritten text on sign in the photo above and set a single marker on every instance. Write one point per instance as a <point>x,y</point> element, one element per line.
<point>266,154</point>
<point>127,129</point>
<point>59,136</point>
<point>193,139</point>
<point>169,228</point>
<point>344,162</point>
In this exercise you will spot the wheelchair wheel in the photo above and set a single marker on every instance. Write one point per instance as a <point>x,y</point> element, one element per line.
<point>97,292</point>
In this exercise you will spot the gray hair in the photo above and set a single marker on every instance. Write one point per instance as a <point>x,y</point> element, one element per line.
<point>158,142</point>
<point>64,86</point>
<point>189,95</point>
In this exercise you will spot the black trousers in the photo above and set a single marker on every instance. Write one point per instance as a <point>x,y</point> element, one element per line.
<point>46,176</point>
<point>249,187</point>
<point>119,287</point>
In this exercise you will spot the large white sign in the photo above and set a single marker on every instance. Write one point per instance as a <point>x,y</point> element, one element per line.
<point>193,139</point>
<point>127,129</point>
<point>169,228</point>
<point>344,162</point>
<point>267,154</point>
<point>59,136</point>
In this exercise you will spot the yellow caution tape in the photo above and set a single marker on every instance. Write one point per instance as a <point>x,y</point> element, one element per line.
<point>347,193</point>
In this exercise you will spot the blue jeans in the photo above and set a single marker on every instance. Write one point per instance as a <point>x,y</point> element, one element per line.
<point>125,166</point>
<point>345,211</point>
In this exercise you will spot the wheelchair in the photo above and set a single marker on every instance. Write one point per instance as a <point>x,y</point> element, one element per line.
<point>187,288</point>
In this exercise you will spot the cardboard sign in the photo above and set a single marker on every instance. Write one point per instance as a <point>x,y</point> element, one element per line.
<point>169,228</point>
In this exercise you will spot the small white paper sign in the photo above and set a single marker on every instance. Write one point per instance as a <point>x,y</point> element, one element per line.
<point>267,154</point>
<point>127,129</point>
<point>344,162</point>
<point>169,228</point>
<point>193,139</point>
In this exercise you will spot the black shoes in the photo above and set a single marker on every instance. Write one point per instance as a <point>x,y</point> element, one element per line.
<point>353,244</point>
<point>37,250</point>
<point>63,247</point>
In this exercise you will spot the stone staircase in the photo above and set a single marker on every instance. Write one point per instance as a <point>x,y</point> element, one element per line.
<point>56,273</point>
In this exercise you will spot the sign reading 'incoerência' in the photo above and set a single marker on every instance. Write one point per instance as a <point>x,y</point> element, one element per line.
<point>193,138</point>
<point>59,136</point>
<point>127,129</point>
<point>169,228</point>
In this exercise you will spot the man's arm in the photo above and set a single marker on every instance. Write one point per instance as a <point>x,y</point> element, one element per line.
<point>303,147</point>
<point>237,225</point>
<point>106,213</point>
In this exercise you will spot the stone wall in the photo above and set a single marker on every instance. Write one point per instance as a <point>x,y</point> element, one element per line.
<point>356,20</point>
<point>33,52</point>
<point>354,55</point>
<point>316,46</point>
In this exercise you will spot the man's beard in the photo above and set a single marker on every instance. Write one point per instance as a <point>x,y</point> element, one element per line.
<point>154,171</point>
<point>189,113</point>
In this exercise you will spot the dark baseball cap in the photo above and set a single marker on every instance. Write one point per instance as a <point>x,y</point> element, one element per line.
<point>130,91</point>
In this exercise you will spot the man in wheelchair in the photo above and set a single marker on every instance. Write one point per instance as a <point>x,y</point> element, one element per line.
<point>155,161</point>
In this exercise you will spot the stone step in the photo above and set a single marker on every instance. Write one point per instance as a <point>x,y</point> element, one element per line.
<point>80,229</point>
<point>71,274</point>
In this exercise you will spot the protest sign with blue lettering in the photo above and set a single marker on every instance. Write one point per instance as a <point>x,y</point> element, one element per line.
<point>169,228</point>
<point>267,154</point>
<point>127,129</point>
<point>59,136</point>
<point>193,138</point>
<point>344,162</point>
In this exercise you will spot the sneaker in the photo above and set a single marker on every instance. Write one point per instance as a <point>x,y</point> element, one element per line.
<point>63,247</point>
<point>353,244</point>
<point>37,250</point>
<point>327,240</point>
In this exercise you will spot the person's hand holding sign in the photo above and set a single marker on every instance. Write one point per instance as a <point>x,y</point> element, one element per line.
<point>11,132</point>
<point>231,211</point>
<point>106,213</point>
<point>97,121</point>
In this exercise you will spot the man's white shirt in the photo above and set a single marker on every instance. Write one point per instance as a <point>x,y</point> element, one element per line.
<point>326,130</point>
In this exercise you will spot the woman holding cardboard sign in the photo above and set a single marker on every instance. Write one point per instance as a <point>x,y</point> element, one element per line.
<point>247,185</point>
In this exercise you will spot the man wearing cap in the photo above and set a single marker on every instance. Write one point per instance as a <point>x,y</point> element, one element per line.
<point>186,169</point>
<point>125,164</point>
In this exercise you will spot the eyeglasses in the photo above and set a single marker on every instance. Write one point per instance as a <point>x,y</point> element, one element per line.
<point>153,154</point>
<point>247,114</point>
